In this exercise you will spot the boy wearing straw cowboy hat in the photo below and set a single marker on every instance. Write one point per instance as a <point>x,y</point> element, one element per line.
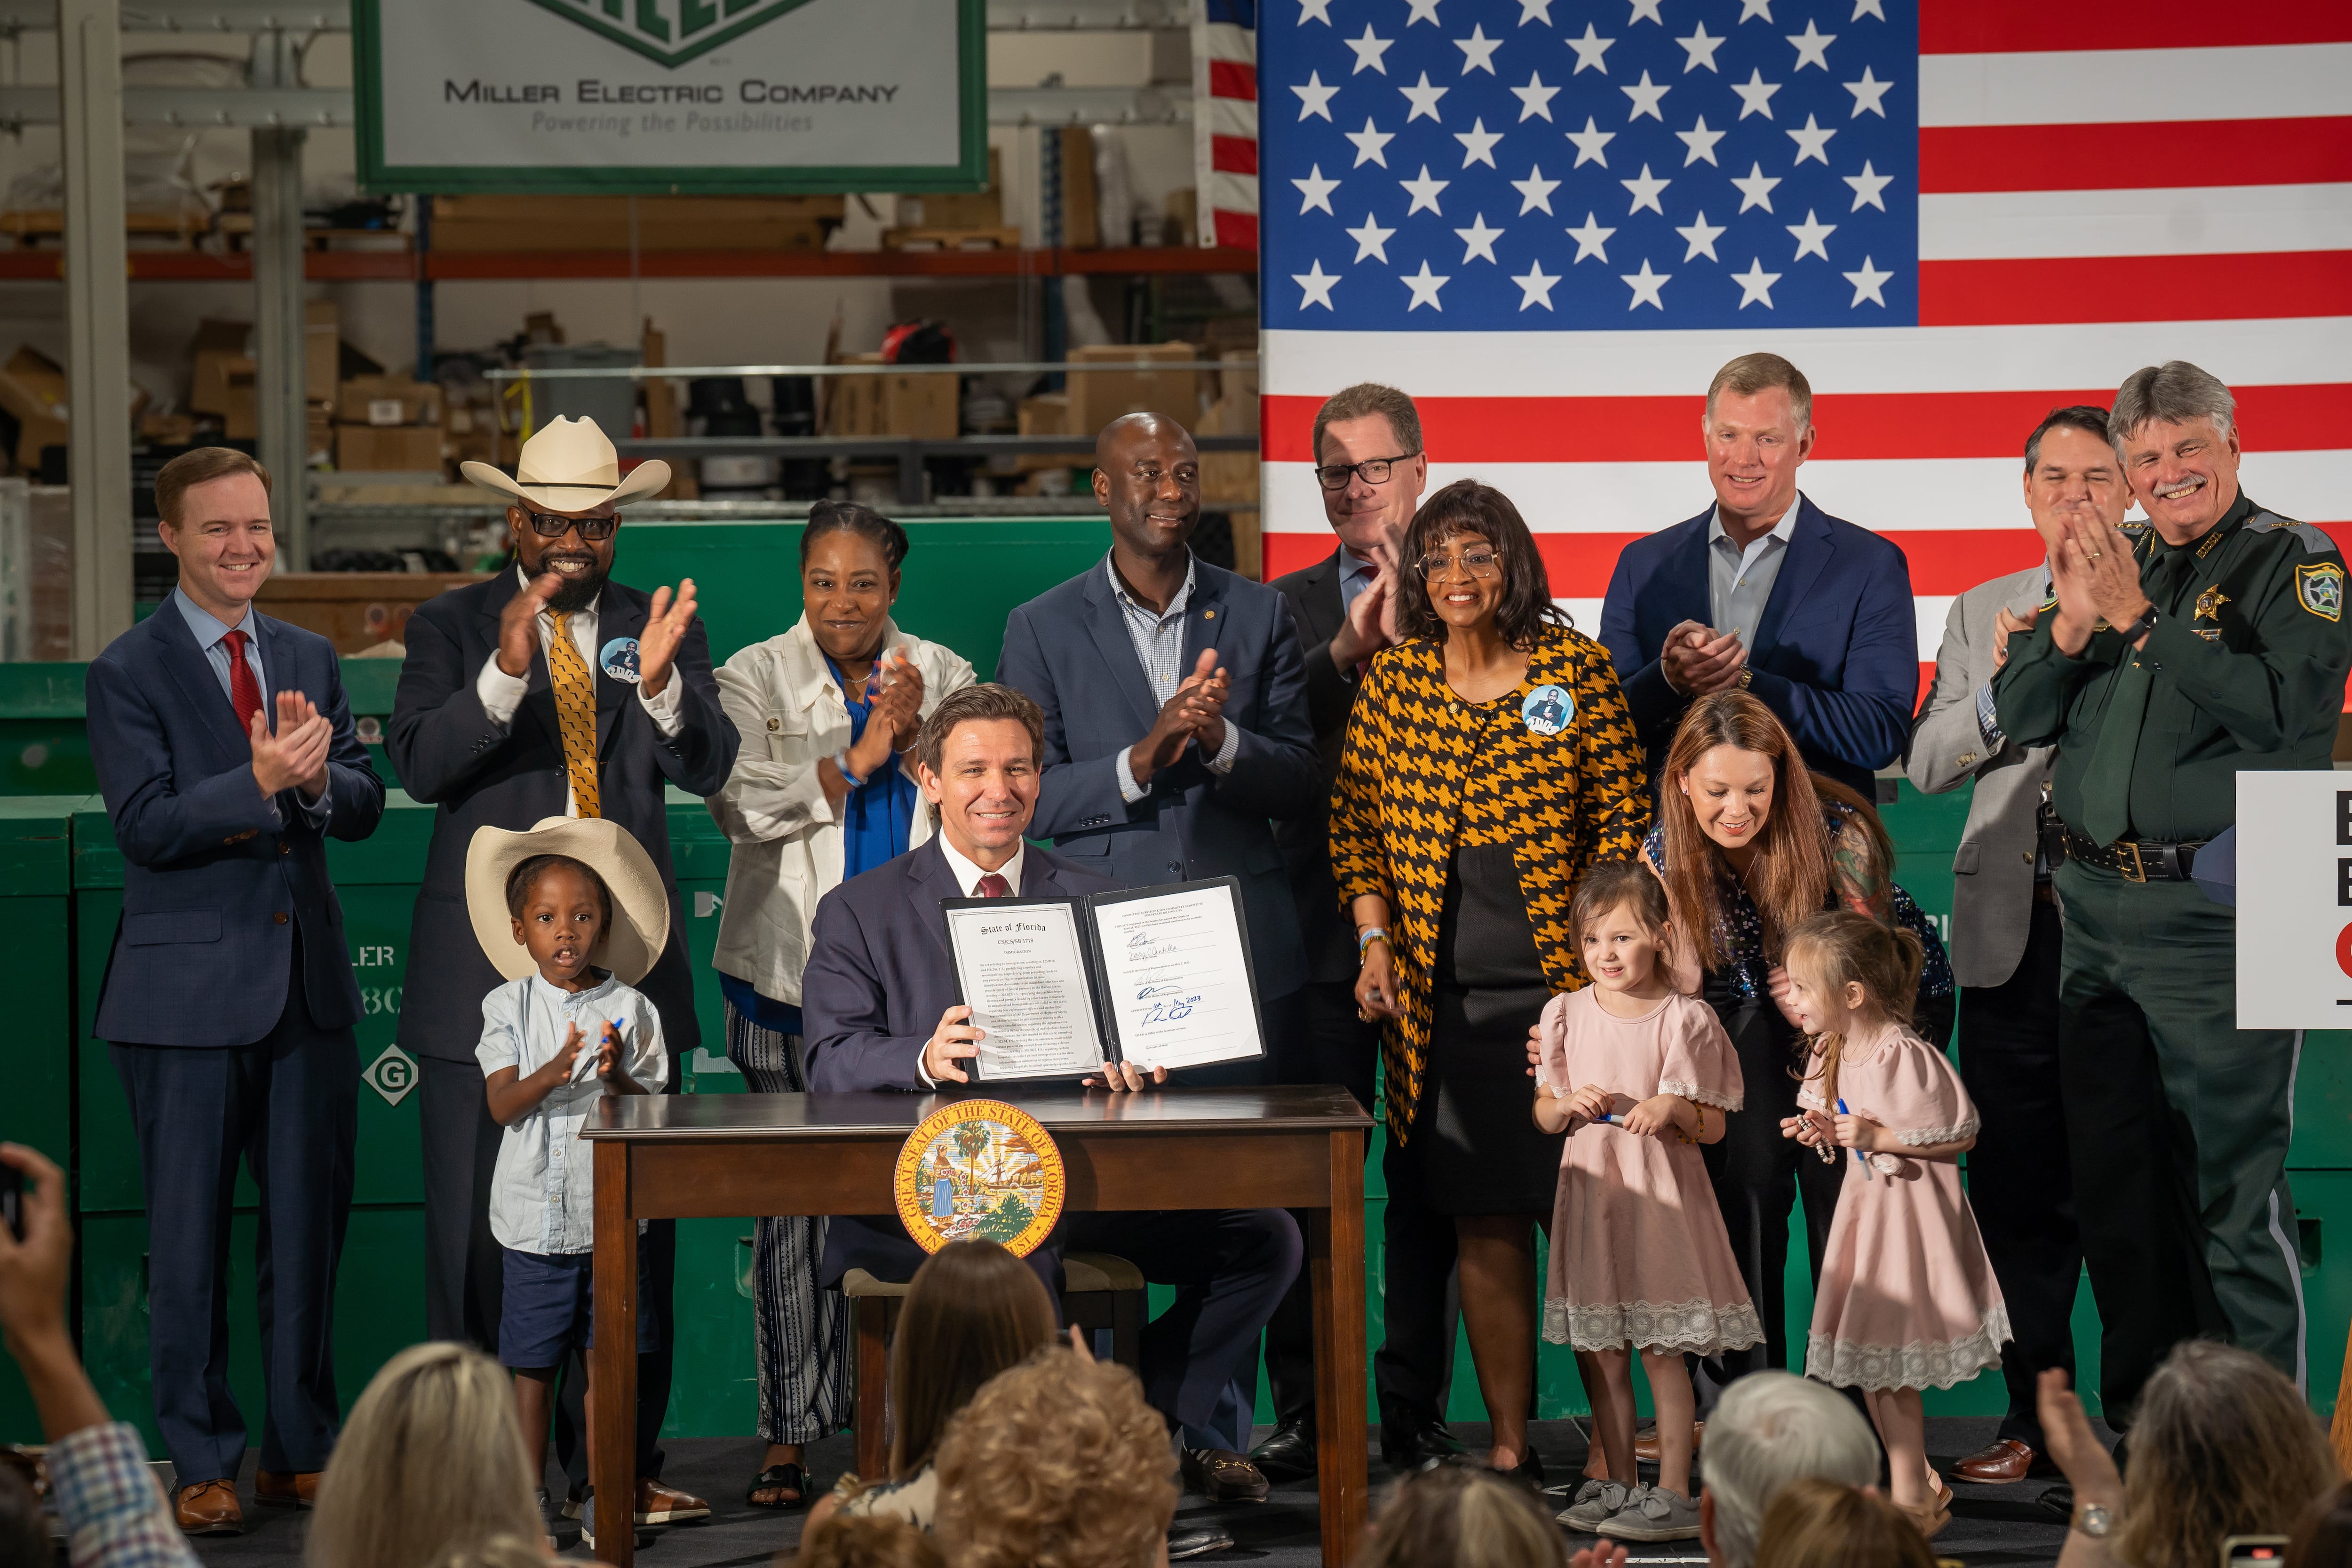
<point>549,690</point>
<point>570,912</point>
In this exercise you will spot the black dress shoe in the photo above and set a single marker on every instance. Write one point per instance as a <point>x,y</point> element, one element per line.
<point>2059,1499</point>
<point>1197,1542</point>
<point>1424,1443</point>
<point>1288,1455</point>
<point>1528,1472</point>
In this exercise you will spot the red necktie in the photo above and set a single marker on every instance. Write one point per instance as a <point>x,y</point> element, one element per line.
<point>991,886</point>
<point>244,691</point>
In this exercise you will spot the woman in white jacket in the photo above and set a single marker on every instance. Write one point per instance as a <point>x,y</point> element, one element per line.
<point>823,789</point>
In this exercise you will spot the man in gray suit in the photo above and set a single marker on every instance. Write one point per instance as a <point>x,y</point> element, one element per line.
<point>2006,933</point>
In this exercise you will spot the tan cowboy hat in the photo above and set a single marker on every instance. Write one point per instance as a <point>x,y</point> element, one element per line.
<point>640,924</point>
<point>570,466</point>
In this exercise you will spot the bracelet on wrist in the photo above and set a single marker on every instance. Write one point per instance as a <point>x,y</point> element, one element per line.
<point>1366,937</point>
<point>841,761</point>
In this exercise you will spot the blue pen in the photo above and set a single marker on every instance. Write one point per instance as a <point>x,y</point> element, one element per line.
<point>1859,1158</point>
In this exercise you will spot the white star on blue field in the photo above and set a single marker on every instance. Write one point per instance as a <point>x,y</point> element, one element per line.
<point>1468,166</point>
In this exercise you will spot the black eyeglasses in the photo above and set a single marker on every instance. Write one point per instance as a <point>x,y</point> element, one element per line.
<point>555,525</point>
<point>1372,470</point>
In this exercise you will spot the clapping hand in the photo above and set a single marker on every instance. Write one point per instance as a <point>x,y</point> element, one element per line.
<point>2007,625</point>
<point>295,755</point>
<point>1696,661</point>
<point>666,621</point>
<point>1197,712</point>
<point>1777,982</point>
<point>566,1060</point>
<point>518,624</point>
<point>898,702</point>
<point>2097,578</point>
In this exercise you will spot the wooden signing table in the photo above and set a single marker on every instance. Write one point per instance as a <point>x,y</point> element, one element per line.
<point>693,1156</point>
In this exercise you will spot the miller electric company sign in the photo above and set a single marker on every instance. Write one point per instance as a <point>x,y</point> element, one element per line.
<point>657,95</point>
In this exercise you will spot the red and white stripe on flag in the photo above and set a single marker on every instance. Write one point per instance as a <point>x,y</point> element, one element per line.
<point>1224,120</point>
<point>2100,189</point>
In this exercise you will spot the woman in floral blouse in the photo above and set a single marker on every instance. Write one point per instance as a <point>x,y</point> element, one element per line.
<point>1749,843</point>
<point>1489,760</point>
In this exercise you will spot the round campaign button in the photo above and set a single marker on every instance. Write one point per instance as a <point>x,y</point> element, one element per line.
<point>1547,710</point>
<point>980,1168</point>
<point>619,659</point>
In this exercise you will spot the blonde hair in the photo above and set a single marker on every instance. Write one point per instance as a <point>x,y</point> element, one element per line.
<point>431,1463</point>
<point>2222,1444</point>
<point>1818,1524</point>
<point>867,1540</point>
<point>1458,1516</point>
<point>1841,948</point>
<point>1058,1463</point>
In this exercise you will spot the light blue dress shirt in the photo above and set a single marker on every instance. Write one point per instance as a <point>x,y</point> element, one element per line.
<point>212,635</point>
<point>1739,582</point>
<point>1159,640</point>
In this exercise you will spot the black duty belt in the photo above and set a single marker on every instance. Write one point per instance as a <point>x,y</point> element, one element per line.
<point>2136,860</point>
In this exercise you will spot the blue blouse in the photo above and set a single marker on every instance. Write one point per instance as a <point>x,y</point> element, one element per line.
<point>876,818</point>
<point>1739,930</point>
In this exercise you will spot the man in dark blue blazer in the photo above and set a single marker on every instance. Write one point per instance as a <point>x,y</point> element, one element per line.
<point>878,1005</point>
<point>1176,715</point>
<point>480,729</point>
<point>1767,593</point>
<point>224,747</point>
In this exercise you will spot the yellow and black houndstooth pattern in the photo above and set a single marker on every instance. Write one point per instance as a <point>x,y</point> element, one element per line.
<point>1424,771</point>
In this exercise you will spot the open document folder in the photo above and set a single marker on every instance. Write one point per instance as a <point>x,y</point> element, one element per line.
<point>1157,976</point>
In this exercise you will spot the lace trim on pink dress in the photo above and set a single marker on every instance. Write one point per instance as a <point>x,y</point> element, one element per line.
<point>1700,1327</point>
<point>1845,1363</point>
<point>1686,1091</point>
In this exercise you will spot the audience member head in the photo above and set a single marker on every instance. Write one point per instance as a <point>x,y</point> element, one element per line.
<point>1058,1463</point>
<point>850,556</point>
<point>2222,1444</point>
<point>1737,799</point>
<point>1470,563</point>
<point>1375,424</point>
<point>1771,1428</point>
<point>973,1310</point>
<point>1758,426</point>
<point>2175,427</point>
<point>2323,1537</point>
<point>500,1552</point>
<point>866,1541</point>
<point>431,1462</point>
<point>2071,470</point>
<point>978,759</point>
<point>24,1538</point>
<point>1148,478</point>
<point>1818,1524</point>
<point>1461,1516</point>
<point>213,507</point>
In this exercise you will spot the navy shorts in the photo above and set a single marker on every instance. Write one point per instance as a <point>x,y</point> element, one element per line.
<point>551,1307</point>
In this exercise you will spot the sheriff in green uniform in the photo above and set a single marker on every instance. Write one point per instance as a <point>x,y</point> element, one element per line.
<point>2168,659</point>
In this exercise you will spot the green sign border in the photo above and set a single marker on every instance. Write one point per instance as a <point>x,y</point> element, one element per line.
<point>968,174</point>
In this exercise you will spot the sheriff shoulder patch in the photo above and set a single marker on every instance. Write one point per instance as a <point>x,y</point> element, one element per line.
<point>2319,588</point>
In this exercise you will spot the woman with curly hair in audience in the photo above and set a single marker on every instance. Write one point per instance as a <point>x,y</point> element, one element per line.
<point>1058,1463</point>
<point>1821,1524</point>
<point>2222,1444</point>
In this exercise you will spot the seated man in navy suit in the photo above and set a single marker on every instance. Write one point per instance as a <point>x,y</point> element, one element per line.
<point>879,1010</point>
<point>1766,591</point>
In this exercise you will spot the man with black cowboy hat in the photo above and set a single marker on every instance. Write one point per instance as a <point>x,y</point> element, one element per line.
<point>514,706</point>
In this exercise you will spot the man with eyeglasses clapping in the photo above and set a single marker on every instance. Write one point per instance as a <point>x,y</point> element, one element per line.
<point>1767,593</point>
<point>516,704</point>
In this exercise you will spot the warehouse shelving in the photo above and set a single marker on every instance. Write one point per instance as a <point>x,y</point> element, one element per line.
<point>453,267</point>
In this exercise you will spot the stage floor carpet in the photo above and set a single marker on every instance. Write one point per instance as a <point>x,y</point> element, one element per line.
<point>1990,1525</point>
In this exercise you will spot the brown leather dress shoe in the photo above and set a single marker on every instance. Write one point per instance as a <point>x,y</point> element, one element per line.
<point>1223,1476</point>
<point>658,1504</point>
<point>286,1488</point>
<point>209,1508</point>
<point>2001,1463</point>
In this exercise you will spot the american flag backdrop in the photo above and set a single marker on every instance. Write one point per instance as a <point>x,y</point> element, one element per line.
<point>1550,221</point>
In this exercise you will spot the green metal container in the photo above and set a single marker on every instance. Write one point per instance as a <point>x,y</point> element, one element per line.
<point>44,749</point>
<point>35,913</point>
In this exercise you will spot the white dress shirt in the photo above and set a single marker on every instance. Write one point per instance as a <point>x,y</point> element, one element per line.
<point>968,876</point>
<point>212,635</point>
<point>543,1192</point>
<point>502,693</point>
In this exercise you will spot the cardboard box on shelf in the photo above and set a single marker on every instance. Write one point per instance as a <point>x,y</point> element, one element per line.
<point>965,209</point>
<point>918,404</point>
<point>240,409</point>
<point>1080,229</point>
<point>405,449</point>
<point>167,429</point>
<point>1099,397</point>
<point>663,222</point>
<point>1047,413</point>
<point>33,390</point>
<point>354,610</point>
<point>388,400</point>
<point>322,349</point>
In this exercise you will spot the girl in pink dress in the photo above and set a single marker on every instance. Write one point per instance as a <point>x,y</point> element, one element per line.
<point>1639,1077</point>
<point>1907,1299</point>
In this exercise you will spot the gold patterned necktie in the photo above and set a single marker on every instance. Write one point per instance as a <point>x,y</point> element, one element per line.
<point>575,714</point>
